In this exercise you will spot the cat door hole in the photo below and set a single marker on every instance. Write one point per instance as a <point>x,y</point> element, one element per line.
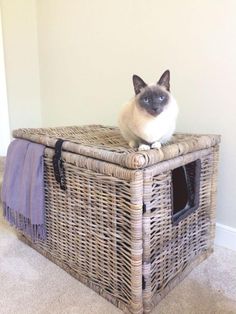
<point>185,190</point>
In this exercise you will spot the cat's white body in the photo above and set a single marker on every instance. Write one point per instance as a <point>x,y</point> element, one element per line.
<point>136,124</point>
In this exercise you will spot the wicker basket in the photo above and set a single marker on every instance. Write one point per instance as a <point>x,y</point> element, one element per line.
<point>120,227</point>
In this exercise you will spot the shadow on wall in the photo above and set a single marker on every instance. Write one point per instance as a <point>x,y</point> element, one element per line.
<point>4,119</point>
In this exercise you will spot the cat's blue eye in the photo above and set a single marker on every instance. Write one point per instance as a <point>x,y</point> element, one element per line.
<point>161,98</point>
<point>145,99</point>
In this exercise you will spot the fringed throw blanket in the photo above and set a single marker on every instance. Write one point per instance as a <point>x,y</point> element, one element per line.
<point>23,188</point>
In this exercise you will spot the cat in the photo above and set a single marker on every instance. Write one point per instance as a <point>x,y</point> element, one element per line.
<point>148,120</point>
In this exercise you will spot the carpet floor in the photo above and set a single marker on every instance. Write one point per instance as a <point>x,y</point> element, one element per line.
<point>31,284</point>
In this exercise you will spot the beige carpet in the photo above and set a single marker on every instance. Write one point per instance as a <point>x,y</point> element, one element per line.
<point>31,284</point>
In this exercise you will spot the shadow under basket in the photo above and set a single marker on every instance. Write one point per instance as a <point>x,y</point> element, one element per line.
<point>130,225</point>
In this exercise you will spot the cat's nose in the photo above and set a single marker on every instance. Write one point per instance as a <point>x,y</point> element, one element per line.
<point>155,107</point>
<point>155,110</point>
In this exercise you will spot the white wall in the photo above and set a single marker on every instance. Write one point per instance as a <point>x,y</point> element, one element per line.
<point>4,118</point>
<point>90,49</point>
<point>21,62</point>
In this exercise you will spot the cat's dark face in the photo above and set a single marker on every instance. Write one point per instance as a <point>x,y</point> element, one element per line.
<point>153,99</point>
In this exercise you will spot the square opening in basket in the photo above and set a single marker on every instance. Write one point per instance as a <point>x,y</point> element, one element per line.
<point>185,190</point>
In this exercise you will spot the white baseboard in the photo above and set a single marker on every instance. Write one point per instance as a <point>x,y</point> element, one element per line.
<point>225,236</point>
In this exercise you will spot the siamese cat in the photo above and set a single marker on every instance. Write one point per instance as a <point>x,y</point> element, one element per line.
<point>148,119</point>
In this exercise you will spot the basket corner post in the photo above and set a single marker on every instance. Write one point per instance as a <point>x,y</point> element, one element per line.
<point>136,304</point>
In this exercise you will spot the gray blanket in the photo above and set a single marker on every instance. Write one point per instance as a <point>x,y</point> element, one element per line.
<point>23,188</point>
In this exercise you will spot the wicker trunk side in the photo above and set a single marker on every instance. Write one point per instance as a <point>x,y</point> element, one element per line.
<point>94,228</point>
<point>116,227</point>
<point>172,250</point>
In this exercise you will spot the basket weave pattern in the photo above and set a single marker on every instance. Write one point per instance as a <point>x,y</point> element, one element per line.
<point>113,226</point>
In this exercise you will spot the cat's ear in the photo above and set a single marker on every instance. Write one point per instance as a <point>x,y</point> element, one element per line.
<point>165,80</point>
<point>138,84</point>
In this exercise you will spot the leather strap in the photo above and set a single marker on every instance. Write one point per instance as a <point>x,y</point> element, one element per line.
<point>59,171</point>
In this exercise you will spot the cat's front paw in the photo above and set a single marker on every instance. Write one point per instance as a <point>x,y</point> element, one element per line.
<point>132,144</point>
<point>143,147</point>
<point>156,145</point>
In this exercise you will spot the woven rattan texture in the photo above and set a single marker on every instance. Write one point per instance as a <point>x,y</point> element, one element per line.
<point>113,226</point>
<point>106,143</point>
<point>89,135</point>
<point>171,248</point>
<point>94,228</point>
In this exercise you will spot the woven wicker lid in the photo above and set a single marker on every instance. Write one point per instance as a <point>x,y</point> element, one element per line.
<point>106,143</point>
